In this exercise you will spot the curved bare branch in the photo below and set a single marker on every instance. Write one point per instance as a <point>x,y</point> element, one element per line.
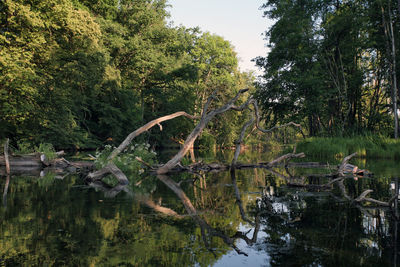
<point>145,128</point>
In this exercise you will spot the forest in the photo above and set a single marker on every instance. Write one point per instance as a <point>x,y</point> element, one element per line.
<point>332,66</point>
<point>82,74</point>
<point>295,166</point>
<point>79,74</point>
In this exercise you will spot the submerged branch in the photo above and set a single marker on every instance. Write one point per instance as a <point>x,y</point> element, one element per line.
<point>110,168</point>
<point>151,204</point>
<point>288,156</point>
<point>363,198</point>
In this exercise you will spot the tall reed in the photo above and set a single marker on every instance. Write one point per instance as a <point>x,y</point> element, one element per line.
<point>338,147</point>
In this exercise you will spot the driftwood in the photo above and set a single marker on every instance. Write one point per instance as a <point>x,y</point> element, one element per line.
<point>35,163</point>
<point>344,170</point>
<point>344,165</point>
<point>33,160</point>
<point>111,168</point>
<point>284,158</point>
<point>217,167</point>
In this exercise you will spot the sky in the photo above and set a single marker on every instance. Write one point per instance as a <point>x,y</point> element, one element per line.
<point>239,21</point>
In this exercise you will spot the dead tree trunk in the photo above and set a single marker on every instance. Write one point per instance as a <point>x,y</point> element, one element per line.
<point>239,142</point>
<point>205,119</point>
<point>7,161</point>
<point>111,168</point>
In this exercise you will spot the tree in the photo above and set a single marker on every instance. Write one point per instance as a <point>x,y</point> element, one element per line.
<point>329,68</point>
<point>293,89</point>
<point>79,73</point>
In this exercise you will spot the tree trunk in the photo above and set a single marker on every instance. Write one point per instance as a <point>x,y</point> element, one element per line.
<point>391,51</point>
<point>7,162</point>
<point>394,74</point>
<point>205,119</point>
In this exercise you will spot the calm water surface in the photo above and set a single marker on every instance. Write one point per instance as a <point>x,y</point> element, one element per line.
<point>246,218</point>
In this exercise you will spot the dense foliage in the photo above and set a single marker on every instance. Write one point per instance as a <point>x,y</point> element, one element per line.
<point>331,65</point>
<point>86,72</point>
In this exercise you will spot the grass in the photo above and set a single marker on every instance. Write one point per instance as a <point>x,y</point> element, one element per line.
<point>24,148</point>
<point>339,147</point>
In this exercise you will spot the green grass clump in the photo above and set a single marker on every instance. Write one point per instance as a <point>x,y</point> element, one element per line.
<point>339,147</point>
<point>24,148</point>
<point>47,149</point>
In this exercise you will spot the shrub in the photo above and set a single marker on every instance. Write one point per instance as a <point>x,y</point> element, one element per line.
<point>126,161</point>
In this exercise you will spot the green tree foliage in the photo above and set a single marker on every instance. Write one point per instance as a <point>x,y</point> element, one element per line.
<point>329,65</point>
<point>81,73</point>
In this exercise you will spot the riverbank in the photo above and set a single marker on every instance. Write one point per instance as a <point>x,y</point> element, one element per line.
<point>338,147</point>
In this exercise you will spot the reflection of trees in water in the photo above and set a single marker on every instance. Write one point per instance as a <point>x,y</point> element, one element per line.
<point>313,228</point>
<point>40,229</point>
<point>301,227</point>
<point>329,230</point>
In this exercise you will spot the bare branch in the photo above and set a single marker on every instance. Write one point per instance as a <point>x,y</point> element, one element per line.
<point>240,140</point>
<point>275,127</point>
<point>363,195</point>
<point>284,157</point>
<point>197,130</point>
<point>144,162</point>
<point>111,168</point>
<point>145,128</point>
<point>342,166</point>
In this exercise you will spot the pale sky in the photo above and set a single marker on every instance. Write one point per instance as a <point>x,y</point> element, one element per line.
<point>238,21</point>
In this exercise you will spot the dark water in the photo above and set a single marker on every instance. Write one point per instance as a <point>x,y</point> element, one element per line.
<point>248,218</point>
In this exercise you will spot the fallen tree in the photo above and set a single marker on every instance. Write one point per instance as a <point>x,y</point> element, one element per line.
<point>343,171</point>
<point>39,161</point>
<point>173,164</point>
<point>36,163</point>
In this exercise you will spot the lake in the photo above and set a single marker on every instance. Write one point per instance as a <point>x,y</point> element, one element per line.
<point>247,218</point>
